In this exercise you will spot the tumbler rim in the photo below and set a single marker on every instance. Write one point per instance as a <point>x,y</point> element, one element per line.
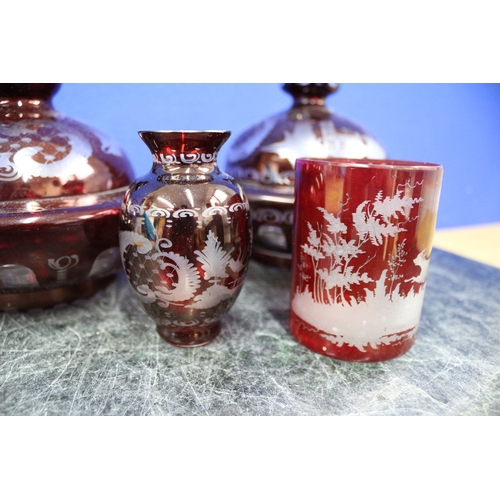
<point>391,164</point>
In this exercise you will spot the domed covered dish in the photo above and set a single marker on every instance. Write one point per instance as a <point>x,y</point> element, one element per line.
<point>262,160</point>
<point>61,188</point>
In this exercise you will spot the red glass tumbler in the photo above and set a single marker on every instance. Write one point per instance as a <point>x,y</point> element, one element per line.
<point>363,235</point>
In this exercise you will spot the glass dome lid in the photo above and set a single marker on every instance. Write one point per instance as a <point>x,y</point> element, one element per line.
<point>265,153</point>
<point>44,154</point>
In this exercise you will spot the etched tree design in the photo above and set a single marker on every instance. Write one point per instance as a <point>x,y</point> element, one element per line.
<point>214,260</point>
<point>374,223</point>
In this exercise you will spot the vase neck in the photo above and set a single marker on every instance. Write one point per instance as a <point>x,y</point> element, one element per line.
<point>185,156</point>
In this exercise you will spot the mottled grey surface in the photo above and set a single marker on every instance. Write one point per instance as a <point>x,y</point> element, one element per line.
<point>103,357</point>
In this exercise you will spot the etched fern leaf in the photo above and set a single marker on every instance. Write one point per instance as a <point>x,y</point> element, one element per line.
<point>389,207</point>
<point>213,258</point>
<point>368,225</point>
<point>335,224</point>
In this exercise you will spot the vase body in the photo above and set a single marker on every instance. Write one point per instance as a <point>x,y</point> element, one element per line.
<point>185,236</point>
<point>262,160</point>
<point>61,188</point>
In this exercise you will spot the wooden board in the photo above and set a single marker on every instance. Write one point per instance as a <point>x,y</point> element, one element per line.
<point>481,242</point>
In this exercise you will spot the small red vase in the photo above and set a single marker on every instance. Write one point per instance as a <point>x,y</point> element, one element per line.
<point>185,236</point>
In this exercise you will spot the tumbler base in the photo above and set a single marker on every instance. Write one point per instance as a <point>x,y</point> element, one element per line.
<point>313,339</point>
<point>189,336</point>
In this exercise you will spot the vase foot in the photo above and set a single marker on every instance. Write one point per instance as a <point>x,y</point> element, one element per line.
<point>189,336</point>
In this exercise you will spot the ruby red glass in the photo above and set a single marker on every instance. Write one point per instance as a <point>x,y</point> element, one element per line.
<point>185,236</point>
<point>61,188</point>
<point>362,242</point>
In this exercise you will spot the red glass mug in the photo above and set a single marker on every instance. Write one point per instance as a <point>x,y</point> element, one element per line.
<point>363,235</point>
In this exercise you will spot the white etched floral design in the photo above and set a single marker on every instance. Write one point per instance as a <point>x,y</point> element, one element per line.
<point>30,149</point>
<point>181,282</point>
<point>345,299</point>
